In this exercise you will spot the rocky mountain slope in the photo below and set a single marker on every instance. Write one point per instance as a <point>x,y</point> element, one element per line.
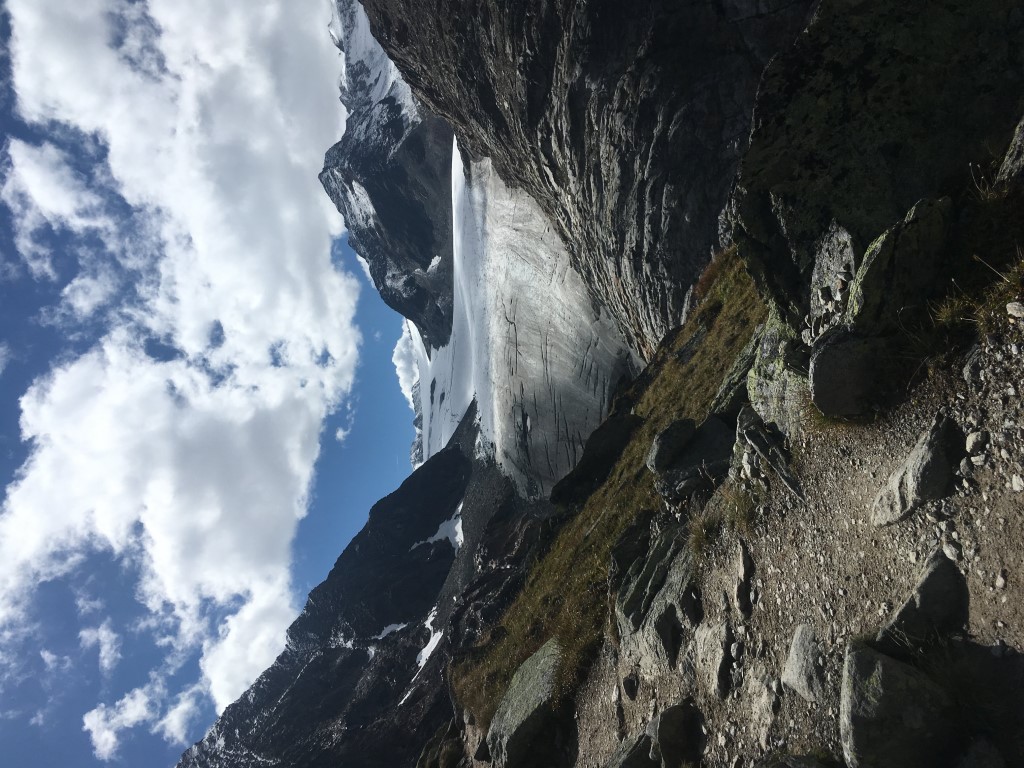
<point>794,537</point>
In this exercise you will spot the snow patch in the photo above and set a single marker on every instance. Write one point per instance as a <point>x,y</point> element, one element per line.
<point>389,629</point>
<point>435,637</point>
<point>450,529</point>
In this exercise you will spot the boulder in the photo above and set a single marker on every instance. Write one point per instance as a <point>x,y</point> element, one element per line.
<point>939,605</point>
<point>802,673</point>
<point>701,463</point>
<point>522,732</point>
<point>711,645</point>
<point>899,270</point>
<point>669,444</point>
<point>925,475</point>
<point>677,736</point>
<point>1011,171</point>
<point>892,714</point>
<point>777,381</point>
<point>846,372</point>
<point>633,753</point>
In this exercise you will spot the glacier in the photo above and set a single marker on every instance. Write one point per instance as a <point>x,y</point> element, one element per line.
<point>527,341</point>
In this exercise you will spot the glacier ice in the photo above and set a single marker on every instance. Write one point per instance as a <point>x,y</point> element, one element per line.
<point>527,342</point>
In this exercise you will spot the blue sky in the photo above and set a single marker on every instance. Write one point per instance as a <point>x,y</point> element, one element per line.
<point>184,337</point>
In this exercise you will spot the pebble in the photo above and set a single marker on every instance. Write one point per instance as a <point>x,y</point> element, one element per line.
<point>1017,483</point>
<point>976,442</point>
<point>1001,580</point>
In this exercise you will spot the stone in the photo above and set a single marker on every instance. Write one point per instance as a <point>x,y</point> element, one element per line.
<point>711,643</point>
<point>846,372</point>
<point>633,753</point>
<point>1017,483</point>
<point>1011,171</point>
<point>938,606</point>
<point>521,732</point>
<point>677,735</point>
<point>758,691</point>
<point>669,443</point>
<point>802,674</point>
<point>977,442</point>
<point>925,475</point>
<point>892,714</point>
<point>898,270</point>
<point>1015,309</point>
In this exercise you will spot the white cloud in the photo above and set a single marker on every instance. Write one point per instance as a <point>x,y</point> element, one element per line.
<point>53,662</point>
<point>211,118</point>
<point>107,641</point>
<point>5,356</point>
<point>404,358</point>
<point>104,723</point>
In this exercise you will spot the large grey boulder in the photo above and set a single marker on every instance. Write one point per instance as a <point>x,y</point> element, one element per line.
<point>701,463</point>
<point>847,372</point>
<point>633,753</point>
<point>669,444</point>
<point>892,715</point>
<point>802,672</point>
<point>926,475</point>
<point>521,732</point>
<point>938,605</point>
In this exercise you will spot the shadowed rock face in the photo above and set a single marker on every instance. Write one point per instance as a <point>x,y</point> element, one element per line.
<point>876,106</point>
<point>624,125</point>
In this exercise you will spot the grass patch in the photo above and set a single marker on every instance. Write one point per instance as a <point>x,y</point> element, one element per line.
<point>565,594</point>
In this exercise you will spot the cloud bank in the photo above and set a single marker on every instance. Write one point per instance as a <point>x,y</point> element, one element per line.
<point>175,209</point>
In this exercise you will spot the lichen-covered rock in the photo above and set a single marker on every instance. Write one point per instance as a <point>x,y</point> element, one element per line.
<point>522,729</point>
<point>1011,171</point>
<point>899,270</point>
<point>777,382</point>
<point>802,672</point>
<point>939,605</point>
<point>892,714</point>
<point>925,475</point>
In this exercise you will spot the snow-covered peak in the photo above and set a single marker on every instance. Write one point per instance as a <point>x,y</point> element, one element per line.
<point>368,75</point>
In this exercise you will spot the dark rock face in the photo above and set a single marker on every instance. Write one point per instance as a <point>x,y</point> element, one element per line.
<point>396,202</point>
<point>624,125</point>
<point>875,107</point>
<point>390,178</point>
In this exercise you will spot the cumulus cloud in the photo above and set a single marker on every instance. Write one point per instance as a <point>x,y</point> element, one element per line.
<point>184,439</point>
<point>106,641</point>
<point>104,723</point>
<point>404,358</point>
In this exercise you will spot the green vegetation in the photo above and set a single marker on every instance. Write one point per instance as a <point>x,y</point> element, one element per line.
<point>566,591</point>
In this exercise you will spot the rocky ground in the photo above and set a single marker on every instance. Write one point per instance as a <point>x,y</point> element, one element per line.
<point>821,571</point>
